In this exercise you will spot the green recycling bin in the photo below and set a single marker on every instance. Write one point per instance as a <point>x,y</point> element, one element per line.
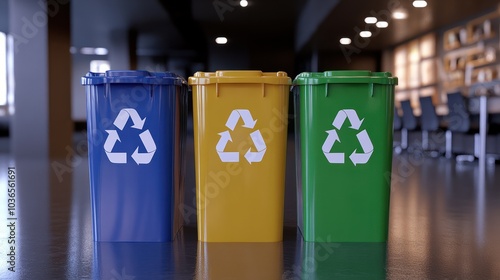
<point>343,146</point>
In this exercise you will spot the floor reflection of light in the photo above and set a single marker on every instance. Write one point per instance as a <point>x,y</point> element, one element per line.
<point>80,232</point>
<point>480,203</point>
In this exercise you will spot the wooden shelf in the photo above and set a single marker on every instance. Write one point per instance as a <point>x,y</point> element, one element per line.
<point>454,38</point>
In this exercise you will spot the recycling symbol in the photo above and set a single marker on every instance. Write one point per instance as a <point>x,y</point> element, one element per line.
<point>146,138</point>
<point>363,138</point>
<point>256,137</point>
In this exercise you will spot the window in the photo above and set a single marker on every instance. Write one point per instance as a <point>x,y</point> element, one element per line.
<point>99,66</point>
<point>3,69</point>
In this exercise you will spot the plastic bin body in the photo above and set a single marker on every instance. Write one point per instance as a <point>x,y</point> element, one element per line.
<point>344,154</point>
<point>240,137</point>
<point>136,130</point>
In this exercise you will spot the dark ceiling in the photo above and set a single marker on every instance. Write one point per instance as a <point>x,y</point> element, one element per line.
<point>350,14</point>
<point>167,26</point>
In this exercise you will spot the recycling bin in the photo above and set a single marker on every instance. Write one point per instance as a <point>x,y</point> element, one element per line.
<point>343,146</point>
<point>136,130</point>
<point>240,138</point>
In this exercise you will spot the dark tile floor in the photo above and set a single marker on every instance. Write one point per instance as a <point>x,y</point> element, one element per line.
<point>444,224</point>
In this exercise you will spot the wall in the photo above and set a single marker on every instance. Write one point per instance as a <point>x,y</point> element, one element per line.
<point>336,61</point>
<point>223,58</point>
<point>4,16</point>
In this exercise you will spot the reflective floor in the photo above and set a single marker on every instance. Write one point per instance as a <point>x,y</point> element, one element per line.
<point>444,224</point>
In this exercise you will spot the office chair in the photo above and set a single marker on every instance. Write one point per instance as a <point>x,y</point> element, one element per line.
<point>397,126</point>
<point>460,121</point>
<point>410,123</point>
<point>429,122</point>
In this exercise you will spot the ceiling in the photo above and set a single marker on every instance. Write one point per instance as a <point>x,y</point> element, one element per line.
<point>164,26</point>
<point>349,15</point>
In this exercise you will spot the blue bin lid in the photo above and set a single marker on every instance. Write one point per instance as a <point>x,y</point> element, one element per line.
<point>133,77</point>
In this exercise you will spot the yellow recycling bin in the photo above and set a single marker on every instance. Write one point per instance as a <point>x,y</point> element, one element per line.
<point>240,137</point>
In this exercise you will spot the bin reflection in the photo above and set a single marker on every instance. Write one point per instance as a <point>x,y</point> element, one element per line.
<point>239,260</point>
<point>137,260</point>
<point>340,261</point>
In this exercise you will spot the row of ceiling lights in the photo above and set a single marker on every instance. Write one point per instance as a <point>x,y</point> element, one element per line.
<point>223,40</point>
<point>397,14</point>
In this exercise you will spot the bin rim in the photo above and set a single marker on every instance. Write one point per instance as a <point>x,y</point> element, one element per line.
<point>133,77</point>
<point>240,77</point>
<point>345,77</point>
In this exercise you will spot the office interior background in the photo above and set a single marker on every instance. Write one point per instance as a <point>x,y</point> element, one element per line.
<point>445,196</point>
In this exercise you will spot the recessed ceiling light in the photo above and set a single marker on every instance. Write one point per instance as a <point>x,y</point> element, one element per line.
<point>365,34</point>
<point>345,41</point>
<point>382,24</point>
<point>370,20</point>
<point>221,40</point>
<point>243,3</point>
<point>400,14</point>
<point>419,4</point>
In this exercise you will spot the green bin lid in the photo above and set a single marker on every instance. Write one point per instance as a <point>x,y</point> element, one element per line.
<point>345,77</point>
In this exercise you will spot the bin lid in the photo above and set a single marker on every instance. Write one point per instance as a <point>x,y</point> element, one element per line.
<point>345,77</point>
<point>133,77</point>
<point>240,77</point>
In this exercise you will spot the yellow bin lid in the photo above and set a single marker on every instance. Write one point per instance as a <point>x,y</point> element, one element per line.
<point>240,77</point>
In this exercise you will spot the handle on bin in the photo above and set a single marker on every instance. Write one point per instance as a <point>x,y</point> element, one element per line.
<point>263,90</point>
<point>107,91</point>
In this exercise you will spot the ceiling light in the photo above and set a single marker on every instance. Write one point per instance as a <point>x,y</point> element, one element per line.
<point>382,24</point>
<point>345,41</point>
<point>370,20</point>
<point>419,4</point>
<point>87,51</point>
<point>93,51</point>
<point>399,14</point>
<point>101,51</point>
<point>243,3</point>
<point>365,34</point>
<point>221,40</point>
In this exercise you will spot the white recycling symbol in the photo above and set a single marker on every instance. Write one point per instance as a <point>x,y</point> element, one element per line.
<point>256,136</point>
<point>363,138</point>
<point>146,138</point>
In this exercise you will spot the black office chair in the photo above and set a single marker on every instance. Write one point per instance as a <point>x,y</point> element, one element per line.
<point>429,122</point>
<point>410,123</point>
<point>460,121</point>
<point>397,126</point>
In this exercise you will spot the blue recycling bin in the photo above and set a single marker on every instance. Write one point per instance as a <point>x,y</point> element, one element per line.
<point>136,130</point>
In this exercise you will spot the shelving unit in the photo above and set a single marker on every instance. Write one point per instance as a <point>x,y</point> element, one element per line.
<point>471,54</point>
<point>466,55</point>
